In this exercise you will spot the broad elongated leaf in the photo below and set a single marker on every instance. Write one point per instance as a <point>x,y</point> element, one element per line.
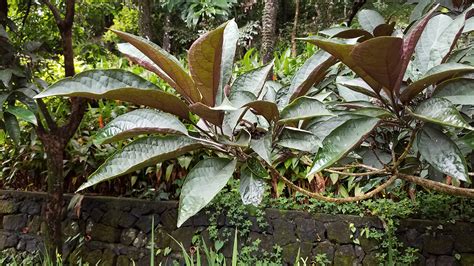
<point>340,141</point>
<point>22,114</point>
<point>252,81</point>
<point>381,59</point>
<point>168,63</point>
<point>303,108</point>
<point>205,57</point>
<point>436,41</point>
<point>267,109</point>
<point>141,153</point>
<point>356,84</point>
<point>469,139</point>
<point>12,127</point>
<point>202,184</point>
<point>207,113</point>
<point>409,44</point>
<point>310,73</point>
<point>229,45</point>
<point>433,76</point>
<point>457,91</point>
<point>263,147</point>
<point>342,51</point>
<point>298,139</point>
<point>440,111</point>
<point>345,32</point>
<point>141,59</point>
<point>117,85</point>
<point>142,121</point>
<point>369,19</point>
<point>323,128</point>
<point>442,153</point>
<point>251,188</point>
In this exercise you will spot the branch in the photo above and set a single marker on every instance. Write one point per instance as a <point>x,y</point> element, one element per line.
<point>55,11</point>
<point>381,171</point>
<point>49,120</point>
<point>69,18</point>
<point>330,199</point>
<point>78,109</point>
<point>437,186</point>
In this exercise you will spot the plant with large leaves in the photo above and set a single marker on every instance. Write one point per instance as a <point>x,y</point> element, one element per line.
<point>252,124</point>
<point>416,85</point>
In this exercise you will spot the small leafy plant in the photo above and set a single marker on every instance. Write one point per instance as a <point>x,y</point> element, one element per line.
<point>405,116</point>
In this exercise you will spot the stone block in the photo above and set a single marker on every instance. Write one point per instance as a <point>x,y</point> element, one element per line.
<point>128,235</point>
<point>108,258</point>
<point>446,261</point>
<point>283,232</point>
<point>339,232</point>
<point>345,256</point>
<point>325,247</point>
<point>141,240</point>
<point>104,233</point>
<point>93,257</point>
<point>15,222</point>
<point>7,207</point>
<point>290,251</point>
<point>127,220</point>
<point>144,222</point>
<point>308,230</point>
<point>467,259</point>
<point>30,207</point>
<point>439,244</point>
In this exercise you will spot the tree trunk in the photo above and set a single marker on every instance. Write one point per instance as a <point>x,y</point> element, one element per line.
<point>356,6</point>
<point>3,12</point>
<point>295,28</point>
<point>54,208</point>
<point>167,33</point>
<point>145,21</point>
<point>269,29</point>
<point>55,138</point>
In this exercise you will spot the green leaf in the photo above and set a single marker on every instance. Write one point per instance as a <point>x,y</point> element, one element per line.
<point>252,81</point>
<point>205,57</point>
<point>380,58</point>
<point>440,111</point>
<point>22,114</point>
<point>303,108</point>
<point>321,129</point>
<point>267,109</point>
<point>168,63</point>
<point>229,45</point>
<point>442,153</point>
<point>369,19</point>
<point>433,76</point>
<point>251,188</point>
<point>457,91</point>
<point>310,73</point>
<point>202,184</point>
<point>263,147</point>
<point>117,85</point>
<point>469,139</point>
<point>409,44</point>
<point>340,141</point>
<point>139,154</point>
<point>12,127</point>
<point>298,139</point>
<point>356,84</point>
<point>142,121</point>
<point>436,41</point>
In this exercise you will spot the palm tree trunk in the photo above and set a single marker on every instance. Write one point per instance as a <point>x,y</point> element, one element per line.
<point>269,29</point>
<point>295,28</point>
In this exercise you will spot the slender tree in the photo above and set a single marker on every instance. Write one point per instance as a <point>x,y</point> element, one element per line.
<point>295,28</point>
<point>269,29</point>
<point>145,20</point>
<point>356,6</point>
<point>55,137</point>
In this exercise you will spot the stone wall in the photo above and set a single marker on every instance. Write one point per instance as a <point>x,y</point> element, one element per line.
<point>114,231</point>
